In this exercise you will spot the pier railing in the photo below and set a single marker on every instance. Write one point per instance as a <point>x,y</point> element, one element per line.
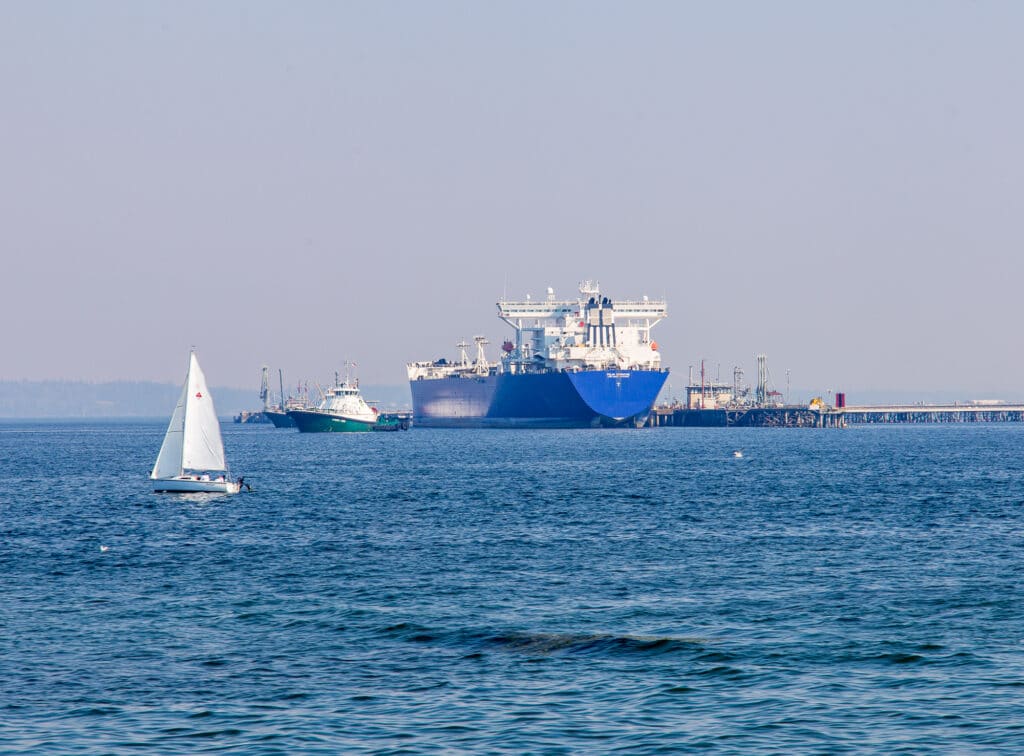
<point>935,413</point>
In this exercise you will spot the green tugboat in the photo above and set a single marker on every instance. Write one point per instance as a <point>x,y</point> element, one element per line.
<point>343,410</point>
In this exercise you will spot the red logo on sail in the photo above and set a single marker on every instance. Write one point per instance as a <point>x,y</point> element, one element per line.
<point>199,395</point>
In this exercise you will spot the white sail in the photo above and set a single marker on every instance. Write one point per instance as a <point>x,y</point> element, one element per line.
<point>203,448</point>
<point>168,462</point>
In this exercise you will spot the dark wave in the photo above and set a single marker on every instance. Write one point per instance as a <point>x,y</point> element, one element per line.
<point>590,644</point>
<point>547,643</point>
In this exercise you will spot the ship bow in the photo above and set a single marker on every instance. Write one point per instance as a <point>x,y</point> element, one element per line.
<point>619,396</point>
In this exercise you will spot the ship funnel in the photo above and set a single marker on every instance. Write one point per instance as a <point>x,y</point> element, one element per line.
<point>600,323</point>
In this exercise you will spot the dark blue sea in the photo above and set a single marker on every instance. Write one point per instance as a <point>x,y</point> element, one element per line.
<point>640,592</point>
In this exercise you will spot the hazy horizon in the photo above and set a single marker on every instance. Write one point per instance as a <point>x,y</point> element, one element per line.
<point>49,400</point>
<point>837,186</point>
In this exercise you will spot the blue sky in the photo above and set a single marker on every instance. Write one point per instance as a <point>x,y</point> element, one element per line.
<point>300,184</point>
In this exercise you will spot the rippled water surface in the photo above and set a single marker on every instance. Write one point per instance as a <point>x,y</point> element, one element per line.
<point>516,591</point>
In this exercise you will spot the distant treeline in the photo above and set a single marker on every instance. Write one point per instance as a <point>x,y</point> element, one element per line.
<point>22,399</point>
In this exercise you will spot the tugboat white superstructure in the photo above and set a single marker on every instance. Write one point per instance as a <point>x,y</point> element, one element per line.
<point>585,362</point>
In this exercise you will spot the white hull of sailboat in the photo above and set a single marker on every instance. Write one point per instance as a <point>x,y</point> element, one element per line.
<point>189,484</point>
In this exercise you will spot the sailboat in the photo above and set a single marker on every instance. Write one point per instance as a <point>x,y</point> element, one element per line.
<point>192,455</point>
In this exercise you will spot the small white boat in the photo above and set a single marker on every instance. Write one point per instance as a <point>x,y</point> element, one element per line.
<point>192,456</point>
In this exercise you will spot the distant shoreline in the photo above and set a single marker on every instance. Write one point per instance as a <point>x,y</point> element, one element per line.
<point>62,399</point>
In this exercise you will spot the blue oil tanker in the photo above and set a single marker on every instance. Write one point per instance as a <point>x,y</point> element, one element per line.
<point>582,363</point>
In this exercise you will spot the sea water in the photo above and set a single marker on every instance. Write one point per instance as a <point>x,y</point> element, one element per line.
<point>435,591</point>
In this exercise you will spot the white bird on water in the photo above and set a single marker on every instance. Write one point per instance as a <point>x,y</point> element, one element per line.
<point>104,548</point>
<point>738,453</point>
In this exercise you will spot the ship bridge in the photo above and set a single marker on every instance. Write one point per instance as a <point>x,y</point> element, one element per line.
<point>591,330</point>
<point>652,310</point>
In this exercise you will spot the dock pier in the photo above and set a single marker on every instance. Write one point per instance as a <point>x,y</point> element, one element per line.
<point>795,416</point>
<point>935,413</point>
<point>801,416</point>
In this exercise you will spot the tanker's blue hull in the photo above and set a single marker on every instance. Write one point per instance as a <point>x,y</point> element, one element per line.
<point>583,399</point>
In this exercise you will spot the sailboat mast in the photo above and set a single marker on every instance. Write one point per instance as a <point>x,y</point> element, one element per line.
<point>280,382</point>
